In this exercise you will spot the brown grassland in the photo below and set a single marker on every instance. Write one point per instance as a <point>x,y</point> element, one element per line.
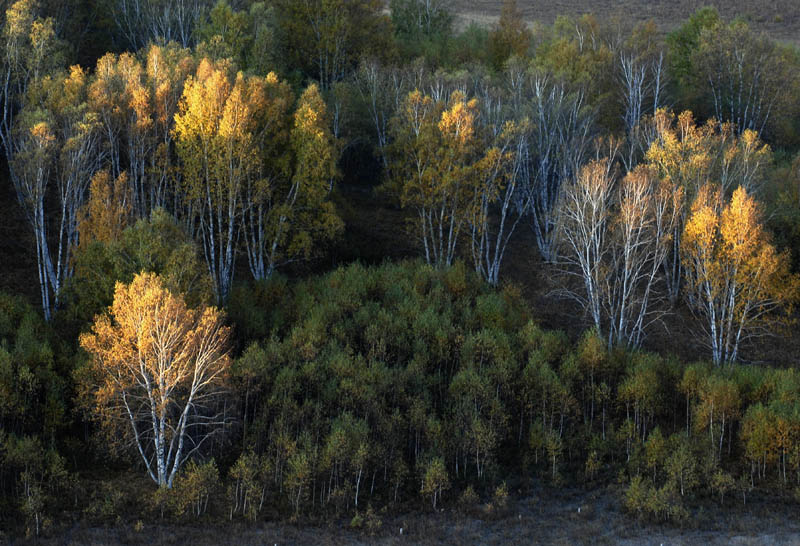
<point>778,18</point>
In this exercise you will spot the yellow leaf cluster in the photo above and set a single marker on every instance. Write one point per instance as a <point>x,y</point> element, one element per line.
<point>152,347</point>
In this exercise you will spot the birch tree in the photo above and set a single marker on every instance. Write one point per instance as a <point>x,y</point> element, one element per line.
<point>497,208</point>
<point>687,156</point>
<point>642,75</point>
<point>614,237</point>
<point>643,228</point>
<point>746,75</point>
<point>561,131</point>
<point>158,21</point>
<point>33,164</point>
<point>107,100</point>
<point>216,129</point>
<point>166,69</point>
<point>421,17</point>
<point>137,125</point>
<point>77,130</point>
<point>30,51</point>
<point>160,368</point>
<point>736,280</point>
<point>286,207</point>
<point>135,99</point>
<point>383,89</point>
<point>326,37</point>
<point>28,137</point>
<point>56,144</point>
<point>434,151</point>
<point>107,211</point>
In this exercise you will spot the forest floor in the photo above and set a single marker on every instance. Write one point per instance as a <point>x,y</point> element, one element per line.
<point>780,19</point>
<point>552,518</point>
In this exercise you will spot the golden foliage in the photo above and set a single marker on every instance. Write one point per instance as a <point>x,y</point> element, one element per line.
<point>108,210</point>
<point>735,275</point>
<point>157,364</point>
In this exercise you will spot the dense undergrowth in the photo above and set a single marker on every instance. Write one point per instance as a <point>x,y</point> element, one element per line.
<point>398,386</point>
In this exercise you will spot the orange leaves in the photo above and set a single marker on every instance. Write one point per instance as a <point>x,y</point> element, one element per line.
<point>313,144</point>
<point>309,117</point>
<point>689,155</point>
<point>740,226</point>
<point>237,115</point>
<point>251,163</point>
<point>615,235</point>
<point>19,17</point>
<point>458,122</point>
<point>108,210</point>
<point>215,106</point>
<point>152,345</point>
<point>166,69</point>
<point>42,135</point>
<point>442,138</point>
<point>416,110</point>
<point>107,90</point>
<point>159,366</point>
<point>204,97</point>
<point>215,128</point>
<point>681,151</point>
<point>732,236</point>
<point>451,170</point>
<point>700,231</point>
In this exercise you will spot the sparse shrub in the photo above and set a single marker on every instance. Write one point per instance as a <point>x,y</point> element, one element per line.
<point>500,497</point>
<point>721,484</point>
<point>468,499</point>
<point>195,486</point>
<point>372,521</point>
<point>357,522</point>
<point>593,464</point>
<point>435,481</point>
<point>106,504</point>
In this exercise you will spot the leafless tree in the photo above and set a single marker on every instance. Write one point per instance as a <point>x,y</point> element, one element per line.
<point>159,21</point>
<point>561,131</point>
<point>746,75</point>
<point>422,16</point>
<point>642,86</point>
<point>383,90</point>
<point>614,236</point>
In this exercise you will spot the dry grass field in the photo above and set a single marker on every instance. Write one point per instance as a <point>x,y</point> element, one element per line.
<point>778,18</point>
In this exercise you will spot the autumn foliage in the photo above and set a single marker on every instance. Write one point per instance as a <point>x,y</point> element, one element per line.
<point>735,277</point>
<point>158,367</point>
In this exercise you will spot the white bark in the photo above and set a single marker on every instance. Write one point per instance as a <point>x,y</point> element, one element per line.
<point>561,132</point>
<point>614,236</point>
